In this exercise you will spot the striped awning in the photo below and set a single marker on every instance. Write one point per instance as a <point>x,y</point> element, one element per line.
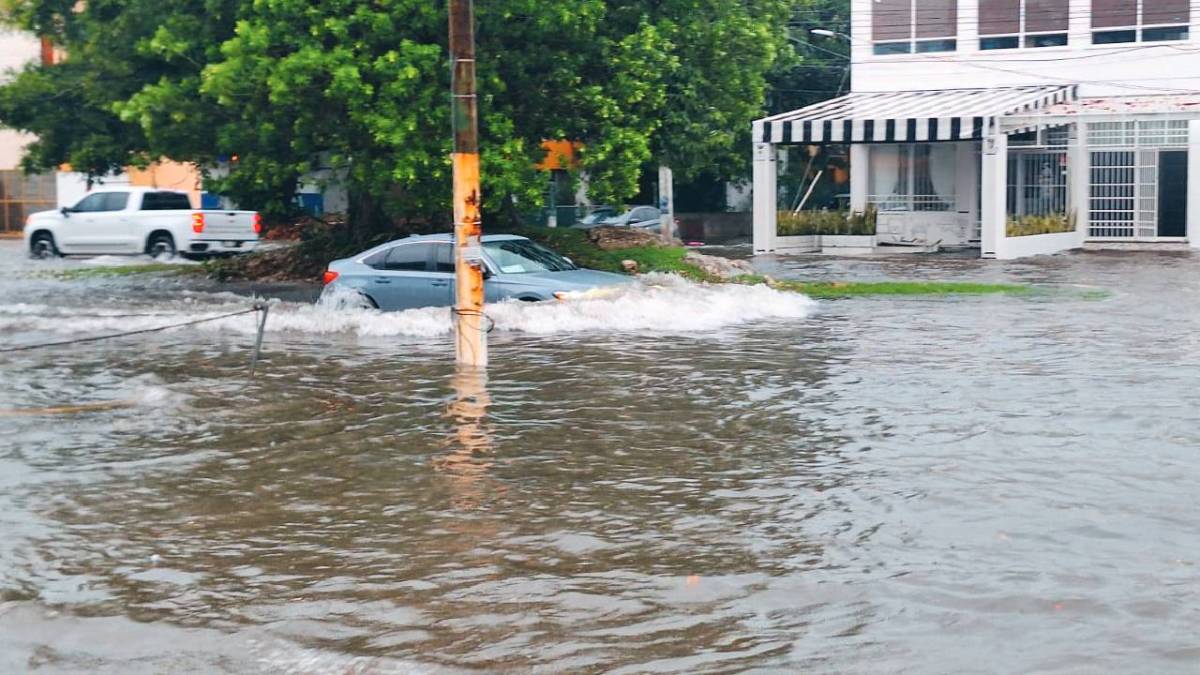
<point>906,116</point>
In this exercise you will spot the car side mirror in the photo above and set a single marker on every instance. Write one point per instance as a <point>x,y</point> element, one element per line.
<point>487,272</point>
<point>570,261</point>
<point>66,212</point>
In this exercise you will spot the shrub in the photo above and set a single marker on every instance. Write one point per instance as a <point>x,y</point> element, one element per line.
<point>1051,223</point>
<point>792,224</point>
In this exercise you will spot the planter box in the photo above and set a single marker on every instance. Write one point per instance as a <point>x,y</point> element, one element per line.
<point>847,244</point>
<point>809,243</point>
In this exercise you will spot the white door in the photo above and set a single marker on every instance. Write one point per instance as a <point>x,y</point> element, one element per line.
<point>98,224</point>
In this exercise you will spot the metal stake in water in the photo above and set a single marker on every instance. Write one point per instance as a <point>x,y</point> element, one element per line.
<point>263,308</point>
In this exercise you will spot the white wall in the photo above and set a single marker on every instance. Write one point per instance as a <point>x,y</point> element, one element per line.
<point>1104,70</point>
<point>16,49</point>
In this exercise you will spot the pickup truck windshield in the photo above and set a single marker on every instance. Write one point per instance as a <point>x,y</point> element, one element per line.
<point>517,256</point>
<point>166,201</point>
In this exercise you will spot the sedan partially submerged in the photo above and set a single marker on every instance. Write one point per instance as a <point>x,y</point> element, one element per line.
<point>419,272</point>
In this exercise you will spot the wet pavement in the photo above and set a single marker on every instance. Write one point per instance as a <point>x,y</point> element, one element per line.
<point>674,480</point>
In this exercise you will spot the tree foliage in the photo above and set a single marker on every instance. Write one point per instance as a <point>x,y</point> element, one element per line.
<point>359,88</point>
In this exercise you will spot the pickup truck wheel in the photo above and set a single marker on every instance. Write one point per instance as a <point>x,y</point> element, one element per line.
<point>161,246</point>
<point>42,247</point>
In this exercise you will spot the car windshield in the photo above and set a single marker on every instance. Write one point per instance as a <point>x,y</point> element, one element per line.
<point>521,256</point>
<point>598,216</point>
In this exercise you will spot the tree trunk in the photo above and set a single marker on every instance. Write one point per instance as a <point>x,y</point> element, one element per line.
<point>367,217</point>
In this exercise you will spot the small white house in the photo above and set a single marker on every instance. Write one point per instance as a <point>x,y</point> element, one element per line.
<point>1020,126</point>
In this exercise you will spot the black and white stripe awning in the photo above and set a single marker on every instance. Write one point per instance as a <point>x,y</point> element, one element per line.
<point>907,116</point>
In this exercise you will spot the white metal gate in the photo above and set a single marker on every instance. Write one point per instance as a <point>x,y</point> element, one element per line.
<point>1124,194</point>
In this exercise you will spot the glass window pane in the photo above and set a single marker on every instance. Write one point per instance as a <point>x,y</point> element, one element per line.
<point>90,204</point>
<point>1011,42</point>
<point>936,18</point>
<point>1114,13</point>
<point>408,258</point>
<point>114,201</point>
<point>1046,15</point>
<point>1053,40</point>
<point>1114,36</point>
<point>1164,34</point>
<point>926,46</point>
<point>997,17</point>
<point>166,201</point>
<point>885,48</point>
<point>891,20</point>
<point>444,261</point>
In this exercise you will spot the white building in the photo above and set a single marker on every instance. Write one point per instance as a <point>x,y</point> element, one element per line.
<point>1020,126</point>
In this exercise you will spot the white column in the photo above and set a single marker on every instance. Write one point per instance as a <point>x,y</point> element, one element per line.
<point>766,197</point>
<point>968,26</point>
<point>1079,28</point>
<point>967,170</point>
<point>994,206</point>
<point>1193,189</point>
<point>1079,188</point>
<point>860,172</point>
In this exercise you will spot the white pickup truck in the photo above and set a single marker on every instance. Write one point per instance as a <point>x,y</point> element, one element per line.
<point>160,223</point>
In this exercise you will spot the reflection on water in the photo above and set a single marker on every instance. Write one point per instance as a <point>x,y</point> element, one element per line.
<point>945,485</point>
<point>468,461</point>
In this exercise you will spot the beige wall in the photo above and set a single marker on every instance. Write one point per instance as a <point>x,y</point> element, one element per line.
<point>16,49</point>
<point>169,176</point>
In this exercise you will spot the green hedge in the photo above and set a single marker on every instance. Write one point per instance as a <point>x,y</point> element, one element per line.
<point>826,222</point>
<point>1052,223</point>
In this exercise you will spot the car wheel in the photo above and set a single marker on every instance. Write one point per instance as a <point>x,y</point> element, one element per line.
<point>161,246</point>
<point>42,247</point>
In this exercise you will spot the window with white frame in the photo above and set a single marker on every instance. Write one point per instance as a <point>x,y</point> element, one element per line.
<point>914,26</point>
<point>913,177</point>
<point>1011,24</point>
<point>1117,21</point>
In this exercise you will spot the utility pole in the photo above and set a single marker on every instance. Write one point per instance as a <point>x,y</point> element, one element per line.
<point>666,202</point>
<point>469,320</point>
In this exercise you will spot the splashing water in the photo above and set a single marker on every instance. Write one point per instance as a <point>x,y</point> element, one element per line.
<point>657,303</point>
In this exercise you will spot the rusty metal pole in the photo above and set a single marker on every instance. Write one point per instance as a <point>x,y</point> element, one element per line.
<point>469,324</point>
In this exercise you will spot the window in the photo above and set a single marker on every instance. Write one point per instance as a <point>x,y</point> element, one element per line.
<point>444,259</point>
<point>166,201</point>
<point>914,177</point>
<point>408,258</point>
<point>1116,21</point>
<point>1010,24</point>
<point>920,26</point>
<point>103,202</point>
<point>644,213</point>
<point>521,256</point>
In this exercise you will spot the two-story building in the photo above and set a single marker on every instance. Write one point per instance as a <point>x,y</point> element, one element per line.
<point>1020,126</point>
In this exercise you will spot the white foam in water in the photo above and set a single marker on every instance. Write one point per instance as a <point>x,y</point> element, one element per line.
<point>656,303</point>
<point>127,261</point>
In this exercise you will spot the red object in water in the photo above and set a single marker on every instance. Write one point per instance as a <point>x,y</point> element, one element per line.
<point>695,243</point>
<point>329,277</point>
<point>197,222</point>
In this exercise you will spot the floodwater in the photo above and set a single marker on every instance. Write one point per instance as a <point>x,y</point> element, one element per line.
<point>675,480</point>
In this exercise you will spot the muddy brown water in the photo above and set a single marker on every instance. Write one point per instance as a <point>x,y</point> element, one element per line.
<point>939,485</point>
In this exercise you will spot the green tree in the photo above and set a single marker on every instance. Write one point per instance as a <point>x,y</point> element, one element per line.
<point>360,86</point>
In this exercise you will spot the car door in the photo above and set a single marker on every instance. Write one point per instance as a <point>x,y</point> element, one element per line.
<point>76,233</point>
<point>406,280</point>
<point>111,226</point>
<point>444,268</point>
